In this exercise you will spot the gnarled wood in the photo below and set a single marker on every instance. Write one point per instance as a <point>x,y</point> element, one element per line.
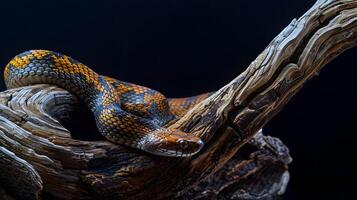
<point>48,162</point>
<point>53,164</point>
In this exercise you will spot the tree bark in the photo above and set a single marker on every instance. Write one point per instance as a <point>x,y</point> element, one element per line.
<point>40,159</point>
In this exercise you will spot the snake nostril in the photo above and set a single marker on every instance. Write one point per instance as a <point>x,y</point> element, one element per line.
<point>200,143</point>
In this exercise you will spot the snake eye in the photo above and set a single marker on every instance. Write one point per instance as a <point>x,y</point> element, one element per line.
<point>183,144</point>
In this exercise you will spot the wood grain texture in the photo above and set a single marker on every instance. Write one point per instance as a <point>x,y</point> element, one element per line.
<point>44,161</point>
<point>40,159</point>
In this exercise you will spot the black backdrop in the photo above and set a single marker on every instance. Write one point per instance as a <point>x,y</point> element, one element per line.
<point>187,47</point>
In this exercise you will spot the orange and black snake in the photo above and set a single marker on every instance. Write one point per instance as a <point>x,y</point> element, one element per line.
<point>125,113</point>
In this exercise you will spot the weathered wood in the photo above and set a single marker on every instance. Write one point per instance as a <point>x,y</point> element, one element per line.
<point>258,171</point>
<point>50,163</point>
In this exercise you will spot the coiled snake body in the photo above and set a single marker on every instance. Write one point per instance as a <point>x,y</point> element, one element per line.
<point>125,113</point>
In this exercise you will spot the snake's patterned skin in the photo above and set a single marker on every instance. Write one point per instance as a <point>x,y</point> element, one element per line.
<point>125,113</point>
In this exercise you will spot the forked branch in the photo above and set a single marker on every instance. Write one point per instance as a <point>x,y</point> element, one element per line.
<point>52,164</point>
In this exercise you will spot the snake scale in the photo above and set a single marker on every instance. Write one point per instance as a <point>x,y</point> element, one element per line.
<point>125,113</point>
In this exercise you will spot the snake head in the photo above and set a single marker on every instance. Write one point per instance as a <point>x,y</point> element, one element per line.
<point>172,142</point>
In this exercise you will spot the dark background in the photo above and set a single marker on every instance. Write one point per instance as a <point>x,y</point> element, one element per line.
<point>187,47</point>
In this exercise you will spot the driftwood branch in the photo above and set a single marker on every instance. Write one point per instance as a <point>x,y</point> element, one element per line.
<point>39,158</point>
<point>48,163</point>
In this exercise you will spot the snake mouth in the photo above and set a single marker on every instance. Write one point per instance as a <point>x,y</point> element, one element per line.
<point>178,152</point>
<point>172,143</point>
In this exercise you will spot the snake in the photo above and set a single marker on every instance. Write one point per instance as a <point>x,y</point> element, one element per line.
<point>125,113</point>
